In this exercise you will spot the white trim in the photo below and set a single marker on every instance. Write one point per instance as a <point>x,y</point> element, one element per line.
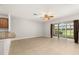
<point>9,19</point>
<point>7,43</point>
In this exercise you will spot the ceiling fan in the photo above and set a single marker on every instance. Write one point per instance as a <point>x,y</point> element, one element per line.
<point>45,16</point>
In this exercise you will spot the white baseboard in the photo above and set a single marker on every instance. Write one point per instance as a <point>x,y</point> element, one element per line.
<point>21,38</point>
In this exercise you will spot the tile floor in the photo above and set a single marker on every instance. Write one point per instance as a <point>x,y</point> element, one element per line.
<point>44,46</point>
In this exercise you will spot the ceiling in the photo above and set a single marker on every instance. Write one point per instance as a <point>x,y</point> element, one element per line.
<point>26,10</point>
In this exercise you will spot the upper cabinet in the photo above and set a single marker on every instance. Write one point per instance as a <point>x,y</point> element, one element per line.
<point>4,23</point>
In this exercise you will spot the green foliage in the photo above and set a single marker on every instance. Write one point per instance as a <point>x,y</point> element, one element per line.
<point>68,33</point>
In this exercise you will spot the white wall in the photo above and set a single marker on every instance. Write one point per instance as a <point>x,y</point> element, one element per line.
<point>1,47</point>
<point>30,28</point>
<point>26,28</point>
<point>59,20</point>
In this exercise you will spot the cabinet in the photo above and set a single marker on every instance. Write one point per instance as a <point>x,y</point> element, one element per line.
<point>4,23</point>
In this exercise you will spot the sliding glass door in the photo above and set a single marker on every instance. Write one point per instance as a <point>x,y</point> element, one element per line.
<point>64,30</point>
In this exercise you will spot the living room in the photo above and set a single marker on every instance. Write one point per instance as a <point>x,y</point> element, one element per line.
<point>30,25</point>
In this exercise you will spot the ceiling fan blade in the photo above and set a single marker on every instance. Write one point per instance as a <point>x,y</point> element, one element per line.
<point>35,14</point>
<point>51,16</point>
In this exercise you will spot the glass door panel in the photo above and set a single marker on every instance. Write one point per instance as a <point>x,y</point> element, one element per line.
<point>68,30</point>
<point>62,30</point>
<point>56,30</point>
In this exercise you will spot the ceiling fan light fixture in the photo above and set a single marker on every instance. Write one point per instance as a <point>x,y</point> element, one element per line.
<point>45,16</point>
<point>45,19</point>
